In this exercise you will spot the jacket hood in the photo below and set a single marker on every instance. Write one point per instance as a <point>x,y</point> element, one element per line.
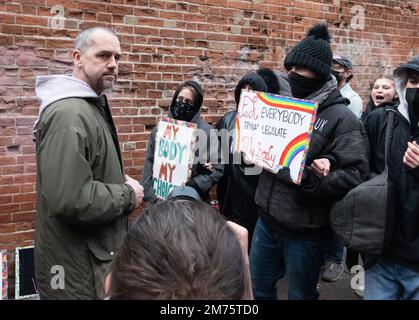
<point>284,86</point>
<point>50,89</point>
<point>271,80</point>
<point>276,82</point>
<point>256,83</point>
<point>335,97</point>
<point>198,89</point>
<point>400,80</point>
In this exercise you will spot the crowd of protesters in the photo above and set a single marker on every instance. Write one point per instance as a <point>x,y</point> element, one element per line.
<point>267,227</point>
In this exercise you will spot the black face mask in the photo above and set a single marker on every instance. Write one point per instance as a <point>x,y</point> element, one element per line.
<point>302,87</point>
<point>338,75</point>
<point>412,98</point>
<point>183,111</point>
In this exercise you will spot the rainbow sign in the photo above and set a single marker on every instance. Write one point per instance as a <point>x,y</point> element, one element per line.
<point>286,102</point>
<point>293,148</point>
<point>274,131</point>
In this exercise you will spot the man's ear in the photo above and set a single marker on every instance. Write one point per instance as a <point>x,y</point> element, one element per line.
<point>76,54</point>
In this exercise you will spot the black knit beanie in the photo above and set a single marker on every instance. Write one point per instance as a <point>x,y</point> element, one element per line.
<point>313,52</point>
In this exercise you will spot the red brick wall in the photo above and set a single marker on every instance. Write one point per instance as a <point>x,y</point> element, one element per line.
<point>163,44</point>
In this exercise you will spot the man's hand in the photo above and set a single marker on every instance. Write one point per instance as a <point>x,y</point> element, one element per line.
<point>208,166</point>
<point>321,167</point>
<point>138,189</point>
<point>411,156</point>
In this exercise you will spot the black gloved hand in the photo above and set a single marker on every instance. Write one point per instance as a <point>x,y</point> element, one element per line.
<point>309,181</point>
<point>285,177</point>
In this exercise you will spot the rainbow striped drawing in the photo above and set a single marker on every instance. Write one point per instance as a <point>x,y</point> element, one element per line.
<point>287,103</point>
<point>294,147</point>
<point>274,131</point>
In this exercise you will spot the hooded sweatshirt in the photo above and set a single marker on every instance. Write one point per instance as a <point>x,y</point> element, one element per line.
<point>404,247</point>
<point>201,179</point>
<point>57,87</point>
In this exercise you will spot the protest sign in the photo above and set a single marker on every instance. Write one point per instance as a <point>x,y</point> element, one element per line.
<point>3,275</point>
<point>173,155</point>
<point>274,131</point>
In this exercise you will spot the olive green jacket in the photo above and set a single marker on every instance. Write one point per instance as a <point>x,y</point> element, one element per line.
<point>83,202</point>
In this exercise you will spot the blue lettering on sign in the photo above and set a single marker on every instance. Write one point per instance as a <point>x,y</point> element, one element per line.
<point>162,188</point>
<point>172,151</point>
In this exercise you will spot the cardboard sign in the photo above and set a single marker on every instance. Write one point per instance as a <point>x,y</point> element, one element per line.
<point>173,155</point>
<point>25,287</point>
<point>274,131</point>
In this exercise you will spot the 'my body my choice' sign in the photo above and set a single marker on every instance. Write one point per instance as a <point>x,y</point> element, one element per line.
<point>172,155</point>
<point>274,131</point>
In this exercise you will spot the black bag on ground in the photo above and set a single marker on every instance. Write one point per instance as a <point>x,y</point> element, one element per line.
<point>363,220</point>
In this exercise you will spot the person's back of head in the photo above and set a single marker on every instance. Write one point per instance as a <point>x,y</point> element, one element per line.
<point>178,250</point>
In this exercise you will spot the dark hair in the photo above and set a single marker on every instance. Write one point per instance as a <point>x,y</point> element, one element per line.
<point>255,81</point>
<point>270,79</point>
<point>178,250</point>
<point>194,93</point>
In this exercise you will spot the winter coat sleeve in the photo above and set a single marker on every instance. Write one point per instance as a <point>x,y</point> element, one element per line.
<point>205,179</point>
<point>350,152</point>
<point>68,185</point>
<point>224,143</point>
<point>376,125</point>
<point>147,175</point>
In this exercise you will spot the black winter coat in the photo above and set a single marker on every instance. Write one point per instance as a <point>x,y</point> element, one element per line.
<point>236,190</point>
<point>404,248</point>
<point>302,212</point>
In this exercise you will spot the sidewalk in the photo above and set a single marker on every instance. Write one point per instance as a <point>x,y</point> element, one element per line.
<point>339,290</point>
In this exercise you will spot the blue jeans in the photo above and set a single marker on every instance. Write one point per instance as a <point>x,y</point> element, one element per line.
<point>387,280</point>
<point>334,252</point>
<point>273,256</point>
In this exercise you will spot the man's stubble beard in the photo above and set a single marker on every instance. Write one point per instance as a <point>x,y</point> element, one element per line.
<point>100,85</point>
